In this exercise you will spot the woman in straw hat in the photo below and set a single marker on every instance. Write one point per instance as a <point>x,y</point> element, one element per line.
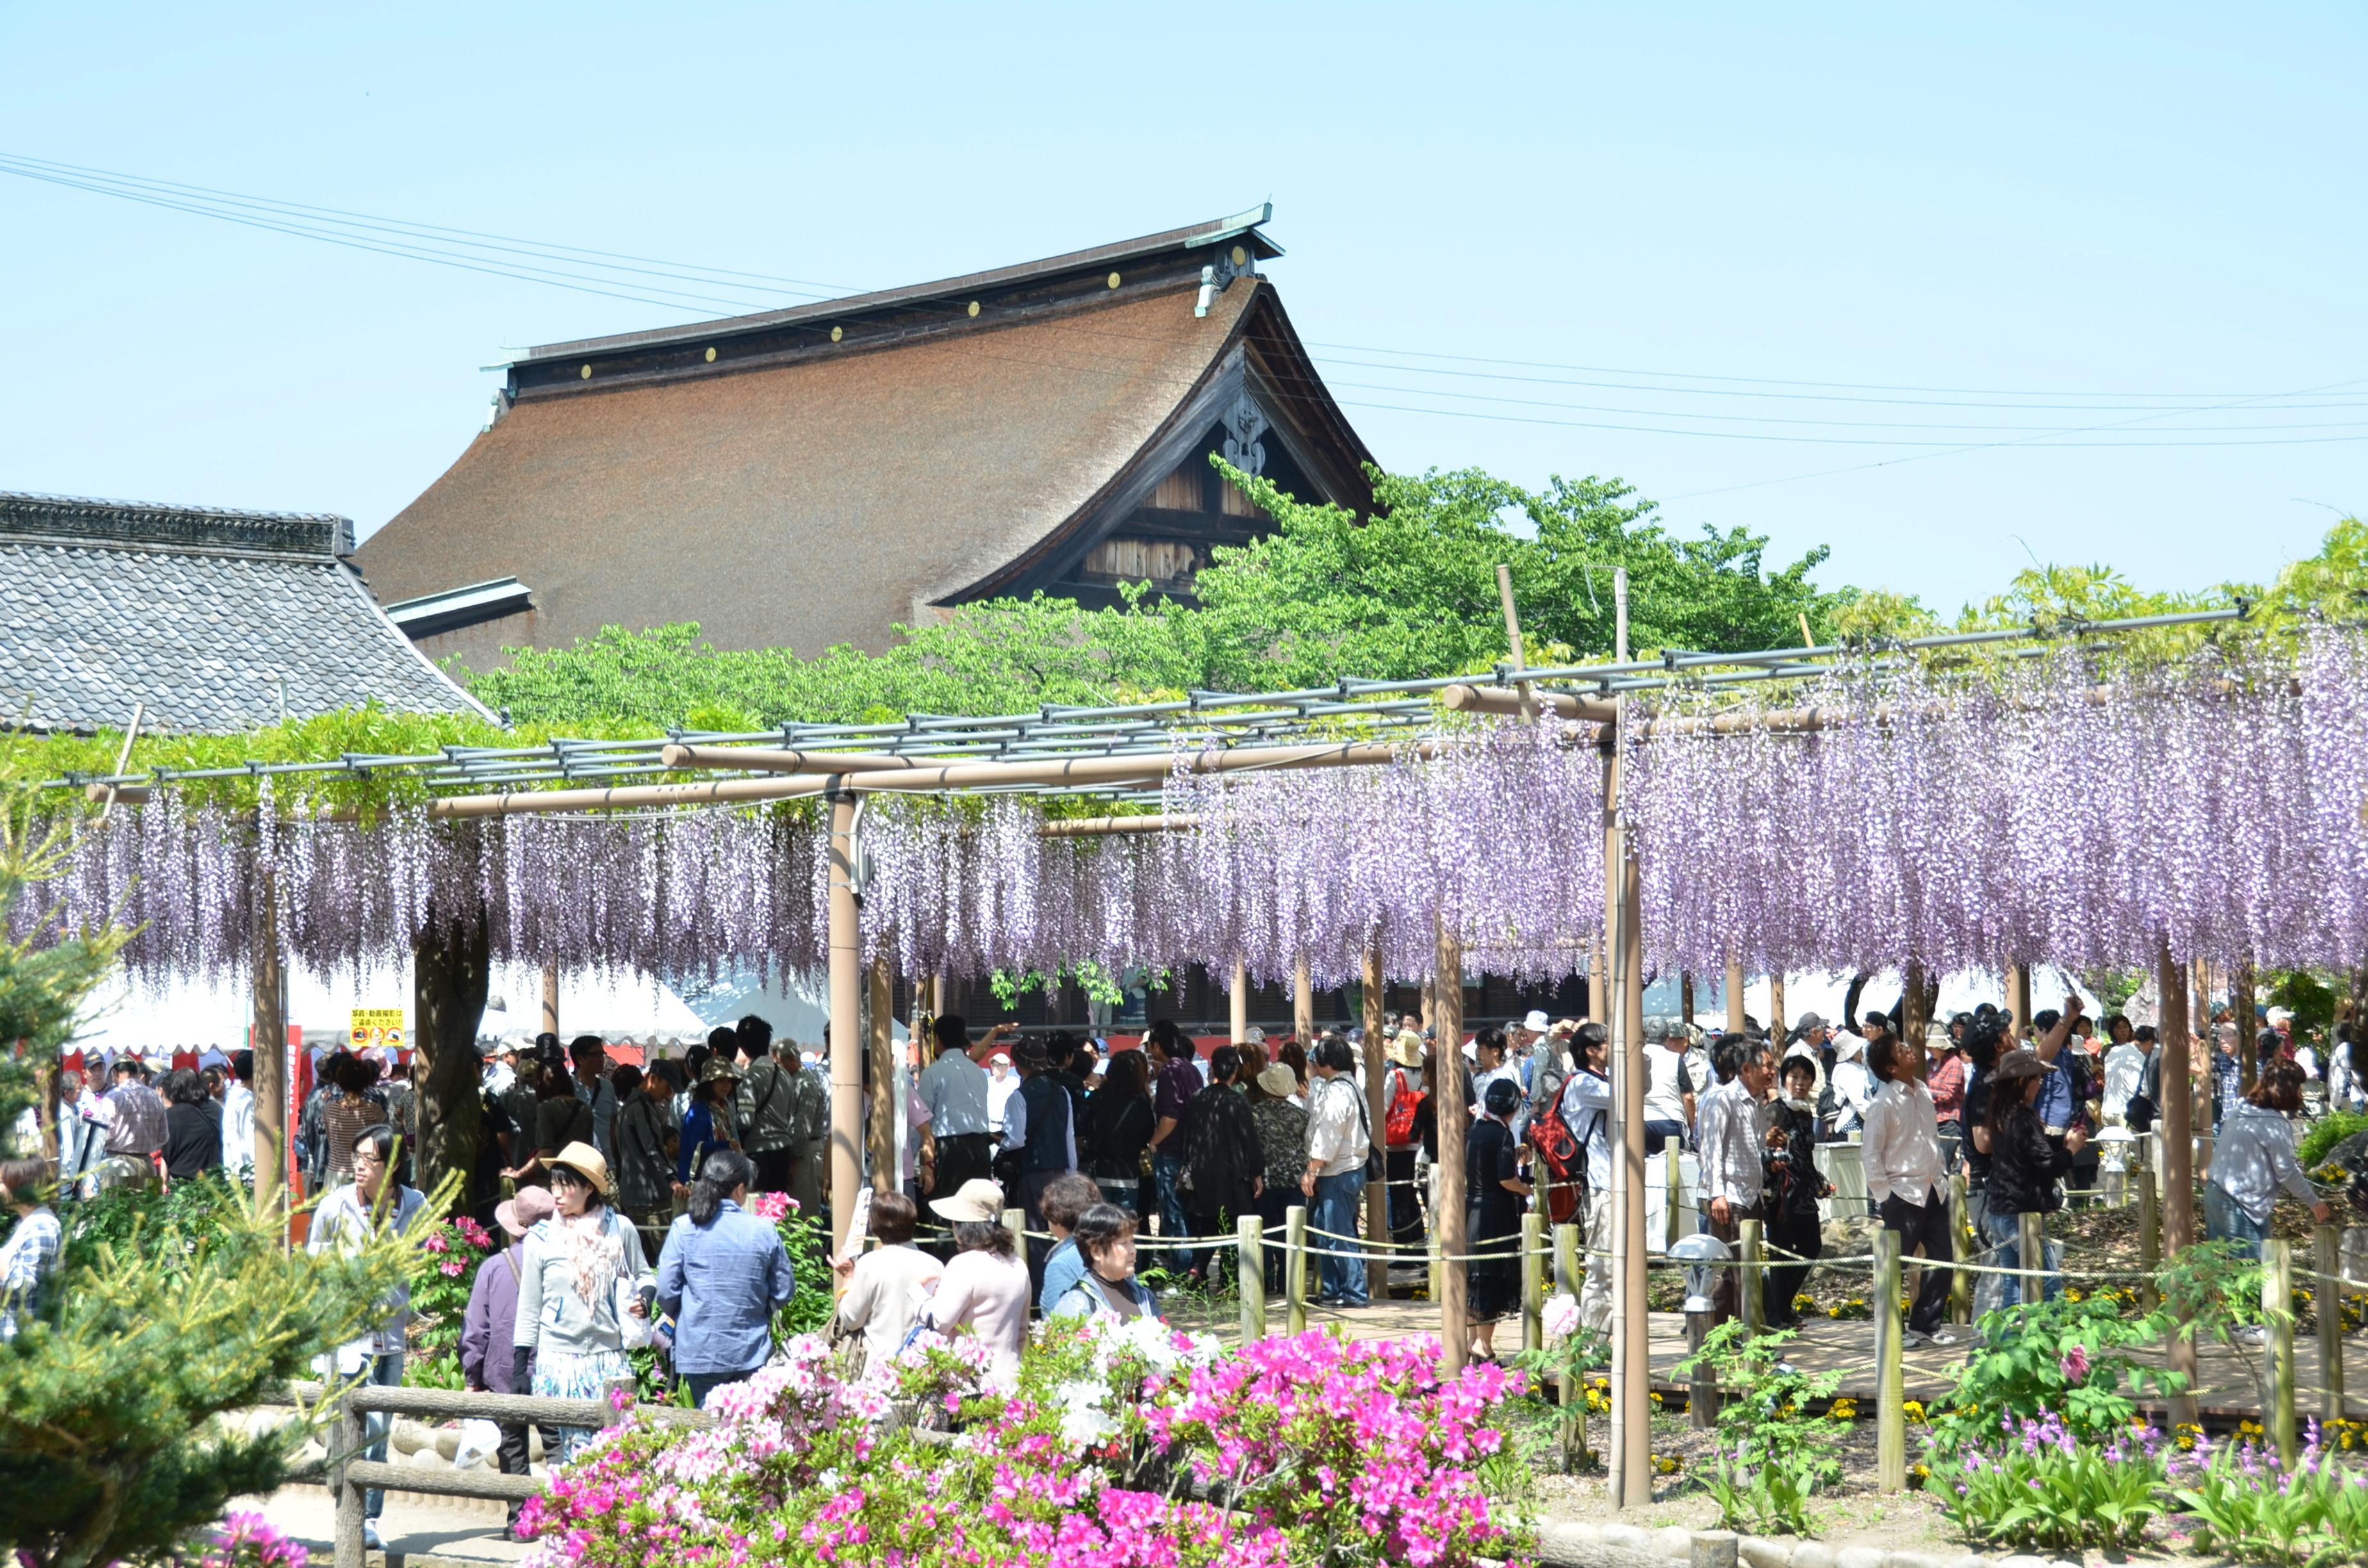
<point>584,1291</point>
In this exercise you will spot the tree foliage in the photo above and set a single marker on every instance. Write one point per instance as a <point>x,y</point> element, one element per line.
<point>154,1326</point>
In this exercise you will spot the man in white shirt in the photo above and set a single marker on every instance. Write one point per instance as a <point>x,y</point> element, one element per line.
<point>1732,1174</point>
<point>1669,1090</point>
<point>1902,1154</point>
<point>2124,1066</point>
<point>954,1087</point>
<point>1338,1142</point>
<point>1586,1111</point>
<point>238,1117</point>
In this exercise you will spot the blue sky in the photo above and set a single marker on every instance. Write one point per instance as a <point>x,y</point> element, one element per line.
<point>2163,204</point>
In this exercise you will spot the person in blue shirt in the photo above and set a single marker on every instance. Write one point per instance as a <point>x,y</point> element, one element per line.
<point>1105,1238</point>
<point>707,1125</point>
<point>1065,1198</point>
<point>721,1276</point>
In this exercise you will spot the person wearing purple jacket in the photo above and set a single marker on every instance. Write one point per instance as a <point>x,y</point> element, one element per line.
<point>488,1329</point>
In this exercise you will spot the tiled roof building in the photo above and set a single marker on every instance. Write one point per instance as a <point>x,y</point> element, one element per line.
<point>817,475</point>
<point>215,621</point>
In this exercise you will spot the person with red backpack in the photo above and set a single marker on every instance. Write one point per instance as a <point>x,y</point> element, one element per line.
<point>1583,1114</point>
<point>1401,1098</point>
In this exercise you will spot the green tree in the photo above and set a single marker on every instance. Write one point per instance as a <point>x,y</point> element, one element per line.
<point>111,1446</point>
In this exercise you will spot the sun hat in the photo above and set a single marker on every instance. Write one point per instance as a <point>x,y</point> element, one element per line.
<point>1279,1081</point>
<point>980,1202</point>
<point>1536,1022</point>
<point>585,1162</point>
<point>1936,1036</point>
<point>2017,1066</point>
<point>518,1215</point>
<point>1406,1049</point>
<point>1254,1036</point>
<point>717,1068</point>
<point>1030,1057</point>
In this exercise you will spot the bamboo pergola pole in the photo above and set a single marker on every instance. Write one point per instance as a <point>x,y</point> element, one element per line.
<point>887,1167</point>
<point>550,998</point>
<point>1377,1070</point>
<point>1509,700</point>
<point>1237,1004</point>
<point>2177,1083</point>
<point>2018,998</point>
<point>763,759</point>
<point>1454,1123</point>
<point>630,797</point>
<point>1105,827</point>
<point>1302,1002</point>
<point>270,1033</point>
<point>845,1009</point>
<point>1734,995</point>
<point>1630,1461</point>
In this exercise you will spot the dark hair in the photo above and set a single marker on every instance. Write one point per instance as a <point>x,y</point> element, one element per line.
<point>2006,1100</point>
<point>242,1065</point>
<point>2279,1087</point>
<point>1065,1198</point>
<point>1729,1052</point>
<point>1805,1064</point>
<point>124,1066</point>
<point>1167,1038</point>
<point>694,1064</point>
<point>1293,1055</point>
<point>546,1048</point>
<point>1128,1076</point>
<point>551,1081</point>
<point>1491,1038</point>
<point>1059,1047</point>
<point>950,1032</point>
<point>1224,1063</point>
<point>2148,1031</point>
<point>1882,1058</point>
<point>1981,1042</point>
<point>721,1038</point>
<point>1587,1038</point>
<point>381,1138</point>
<point>754,1036</point>
<point>183,1086</point>
<point>666,1074</point>
<point>1333,1052</point>
<point>723,1172</point>
<point>983,1236</point>
<point>212,1079</point>
<point>22,1180</point>
<point>2045,1019</point>
<point>625,1080</point>
<point>1097,1227</point>
<point>584,1045</point>
<point>568,1176</point>
<point>893,1218</point>
<point>1503,1098</point>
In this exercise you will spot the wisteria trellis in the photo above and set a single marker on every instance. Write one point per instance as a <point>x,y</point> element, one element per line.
<point>2044,815</point>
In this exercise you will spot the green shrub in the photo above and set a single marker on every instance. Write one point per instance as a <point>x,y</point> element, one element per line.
<point>2326,1134</point>
<point>1772,1455</point>
<point>2075,1361</point>
<point>2045,1488</point>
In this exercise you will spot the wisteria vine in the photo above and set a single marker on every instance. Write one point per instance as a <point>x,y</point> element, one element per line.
<point>2038,814</point>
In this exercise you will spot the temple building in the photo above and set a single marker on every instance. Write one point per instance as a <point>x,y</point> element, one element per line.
<point>818,475</point>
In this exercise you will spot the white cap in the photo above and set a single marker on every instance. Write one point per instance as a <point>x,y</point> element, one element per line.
<point>1536,1022</point>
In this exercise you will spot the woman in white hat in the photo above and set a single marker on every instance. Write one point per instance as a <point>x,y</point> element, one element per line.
<point>986,1287</point>
<point>584,1291</point>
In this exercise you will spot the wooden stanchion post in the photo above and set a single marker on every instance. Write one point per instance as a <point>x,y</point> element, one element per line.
<point>2327,1298</point>
<point>2149,1232</point>
<point>1016,1222</point>
<point>1377,1119</point>
<point>1961,1284</point>
<point>1437,1265</point>
<point>887,1168</point>
<point>1454,1123</point>
<point>1751,1292</point>
<point>1295,1268</point>
<point>1568,1393</point>
<point>352,1440</point>
<point>1251,1272</point>
<point>1534,1280</point>
<point>2031,1241</point>
<point>2177,1133</point>
<point>1890,1369</point>
<point>2277,1307</point>
<point>1565,1247</point>
<point>1701,1383</point>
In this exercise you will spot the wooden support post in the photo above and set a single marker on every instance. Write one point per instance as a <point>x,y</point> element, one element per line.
<point>451,968</point>
<point>1776,1007</point>
<point>1237,1003</point>
<point>1377,1117</point>
<point>2177,1133</point>
<point>352,1440</point>
<point>1751,1292</point>
<point>1630,1459</point>
<point>2018,997</point>
<point>2277,1308</point>
<point>1567,1393</point>
<point>2240,1008</point>
<point>1914,1009</point>
<point>1437,1265</point>
<point>1303,1005</point>
<point>846,1008</point>
<point>2150,1232</point>
<point>1016,1222</point>
<point>1534,1280</point>
<point>2031,1244</point>
<point>1673,1194</point>
<point>1686,998</point>
<point>1961,1284</point>
<point>1250,1276</point>
<point>1295,1268</point>
<point>551,997</point>
<point>1890,1369</point>
<point>1455,1121</point>
<point>2327,1298</point>
<point>1701,1383</point>
<point>887,1166</point>
<point>1734,995</point>
<point>270,1034</point>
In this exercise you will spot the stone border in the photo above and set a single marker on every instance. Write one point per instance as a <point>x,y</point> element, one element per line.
<point>1566,1544</point>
